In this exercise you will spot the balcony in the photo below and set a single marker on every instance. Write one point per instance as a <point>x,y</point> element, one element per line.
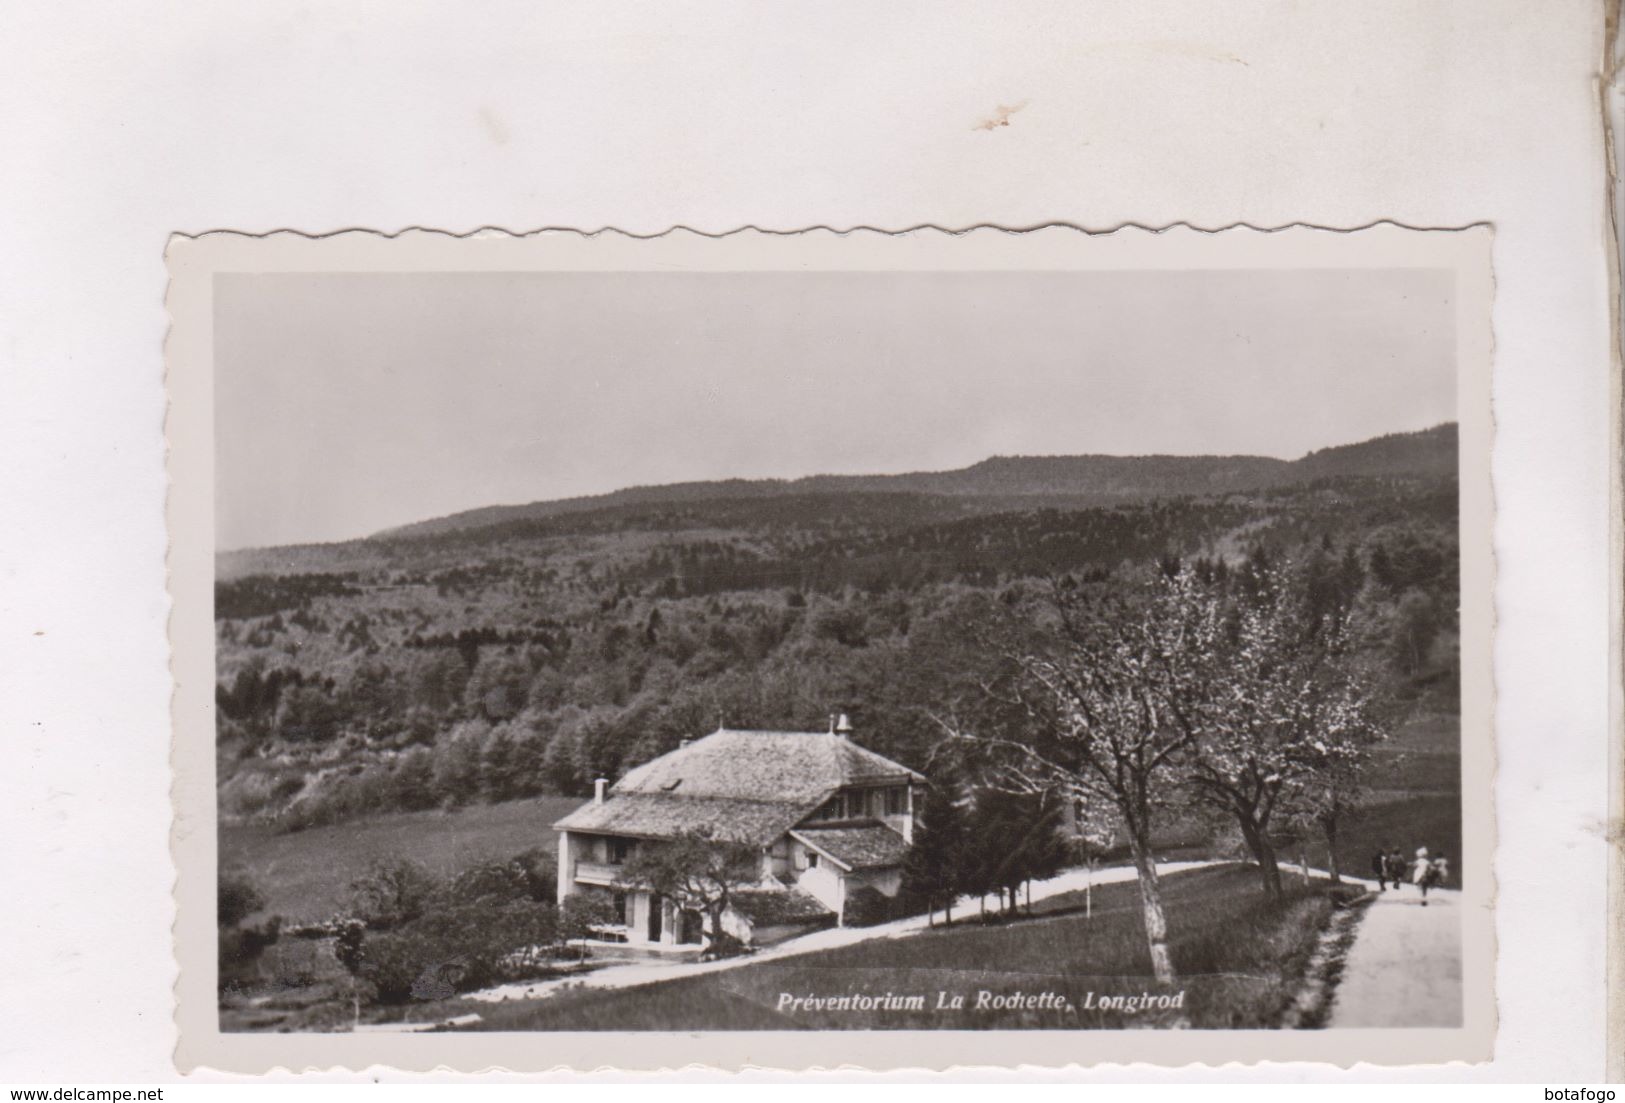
<point>597,873</point>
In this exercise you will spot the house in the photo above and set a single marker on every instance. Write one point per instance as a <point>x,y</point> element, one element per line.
<point>827,815</point>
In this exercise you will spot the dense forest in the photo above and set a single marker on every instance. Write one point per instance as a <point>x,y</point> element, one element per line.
<point>529,650</point>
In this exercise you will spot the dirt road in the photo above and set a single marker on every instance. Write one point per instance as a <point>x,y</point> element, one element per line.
<point>1404,968</point>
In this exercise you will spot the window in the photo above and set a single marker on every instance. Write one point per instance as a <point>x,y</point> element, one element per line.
<point>618,851</point>
<point>833,809</point>
<point>812,859</point>
<point>896,802</point>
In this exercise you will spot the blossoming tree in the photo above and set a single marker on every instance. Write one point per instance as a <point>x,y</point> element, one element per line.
<point>1282,715</point>
<point>1103,679</point>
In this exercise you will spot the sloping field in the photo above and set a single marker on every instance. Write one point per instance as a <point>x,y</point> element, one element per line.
<point>305,875</point>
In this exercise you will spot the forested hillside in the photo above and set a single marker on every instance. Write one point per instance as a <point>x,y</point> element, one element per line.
<point>526,650</point>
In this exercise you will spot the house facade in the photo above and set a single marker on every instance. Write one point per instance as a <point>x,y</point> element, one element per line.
<point>825,814</point>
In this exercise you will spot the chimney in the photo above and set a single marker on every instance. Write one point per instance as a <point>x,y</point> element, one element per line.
<point>832,723</point>
<point>843,727</point>
<point>598,790</point>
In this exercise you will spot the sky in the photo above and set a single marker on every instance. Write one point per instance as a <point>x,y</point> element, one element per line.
<point>347,403</point>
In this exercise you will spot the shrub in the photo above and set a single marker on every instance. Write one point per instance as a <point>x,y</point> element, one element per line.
<point>391,893</point>
<point>237,897</point>
<point>581,912</point>
<point>722,945</point>
<point>349,945</point>
<point>248,792</point>
<point>295,962</point>
<point>867,906</point>
<point>411,937</point>
<point>240,947</point>
<point>451,949</point>
<point>541,872</point>
<point>391,963</point>
<point>842,624</point>
<point>909,901</point>
<point>493,882</point>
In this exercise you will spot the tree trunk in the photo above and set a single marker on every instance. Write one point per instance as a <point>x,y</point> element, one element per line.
<point>1269,868</point>
<point>1156,922</point>
<point>1329,827</point>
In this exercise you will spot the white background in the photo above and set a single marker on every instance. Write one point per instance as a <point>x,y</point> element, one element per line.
<point>120,124</point>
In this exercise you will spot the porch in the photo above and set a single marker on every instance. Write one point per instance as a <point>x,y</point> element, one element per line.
<point>674,953</point>
<point>644,919</point>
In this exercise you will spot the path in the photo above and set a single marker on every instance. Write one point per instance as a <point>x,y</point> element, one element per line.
<point>1404,969</point>
<point>648,971</point>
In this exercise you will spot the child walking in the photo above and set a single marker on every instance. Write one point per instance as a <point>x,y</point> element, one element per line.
<point>1438,870</point>
<point>1396,867</point>
<point>1422,873</point>
<point>1379,866</point>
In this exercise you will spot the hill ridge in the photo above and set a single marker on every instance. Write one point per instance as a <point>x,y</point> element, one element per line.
<point>1427,452</point>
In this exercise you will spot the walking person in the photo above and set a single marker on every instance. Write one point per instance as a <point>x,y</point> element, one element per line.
<point>1379,866</point>
<point>1439,870</point>
<point>1396,867</point>
<point>1421,872</point>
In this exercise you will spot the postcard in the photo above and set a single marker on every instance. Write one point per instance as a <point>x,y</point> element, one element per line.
<point>832,650</point>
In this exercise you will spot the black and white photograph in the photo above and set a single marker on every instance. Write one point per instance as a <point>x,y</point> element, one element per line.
<point>720,547</point>
<point>883,648</point>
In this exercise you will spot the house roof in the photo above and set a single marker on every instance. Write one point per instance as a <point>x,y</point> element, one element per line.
<point>769,908</point>
<point>763,765</point>
<point>664,815</point>
<point>856,846</point>
<point>746,786</point>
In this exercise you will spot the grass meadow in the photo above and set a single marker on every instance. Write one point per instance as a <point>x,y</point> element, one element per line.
<point>305,875</point>
<point>1239,961</point>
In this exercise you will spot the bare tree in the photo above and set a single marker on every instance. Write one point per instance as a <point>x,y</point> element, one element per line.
<point>1101,685</point>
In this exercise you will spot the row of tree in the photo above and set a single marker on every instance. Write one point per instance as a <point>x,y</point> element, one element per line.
<point>1241,695</point>
<point>988,842</point>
